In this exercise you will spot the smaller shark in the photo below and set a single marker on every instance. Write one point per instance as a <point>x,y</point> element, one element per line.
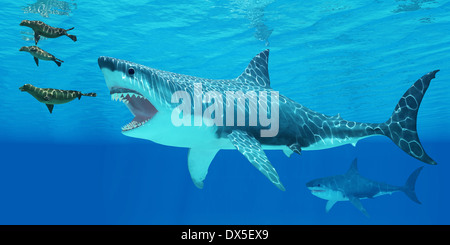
<point>353,187</point>
<point>42,29</point>
<point>50,96</point>
<point>39,53</point>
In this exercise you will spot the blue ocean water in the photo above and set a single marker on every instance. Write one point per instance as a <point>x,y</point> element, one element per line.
<point>355,58</point>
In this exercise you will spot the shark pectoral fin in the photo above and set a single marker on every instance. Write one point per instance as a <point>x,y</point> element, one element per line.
<point>50,107</point>
<point>329,205</point>
<point>198,164</point>
<point>357,203</point>
<point>251,149</point>
<point>36,60</point>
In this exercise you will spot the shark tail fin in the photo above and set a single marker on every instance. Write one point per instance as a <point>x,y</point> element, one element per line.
<point>90,94</point>
<point>401,127</point>
<point>410,185</point>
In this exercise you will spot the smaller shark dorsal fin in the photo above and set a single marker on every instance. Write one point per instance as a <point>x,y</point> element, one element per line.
<point>257,72</point>
<point>353,168</point>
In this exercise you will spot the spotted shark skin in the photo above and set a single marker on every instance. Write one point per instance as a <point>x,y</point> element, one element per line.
<point>42,29</point>
<point>40,54</point>
<point>300,128</point>
<point>50,96</point>
<point>353,187</point>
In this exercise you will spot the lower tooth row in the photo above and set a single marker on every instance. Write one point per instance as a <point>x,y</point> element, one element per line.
<point>133,125</point>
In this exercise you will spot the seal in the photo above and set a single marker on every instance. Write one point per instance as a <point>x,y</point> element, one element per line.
<point>51,97</point>
<point>42,29</point>
<point>39,53</point>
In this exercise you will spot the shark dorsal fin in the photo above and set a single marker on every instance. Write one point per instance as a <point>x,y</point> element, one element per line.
<point>257,72</point>
<point>353,168</point>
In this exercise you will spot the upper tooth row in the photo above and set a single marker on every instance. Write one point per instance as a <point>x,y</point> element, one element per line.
<point>122,96</point>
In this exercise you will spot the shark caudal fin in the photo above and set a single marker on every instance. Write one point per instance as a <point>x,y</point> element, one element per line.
<point>410,185</point>
<point>401,128</point>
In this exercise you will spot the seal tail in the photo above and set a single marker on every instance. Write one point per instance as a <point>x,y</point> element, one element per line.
<point>401,127</point>
<point>410,185</point>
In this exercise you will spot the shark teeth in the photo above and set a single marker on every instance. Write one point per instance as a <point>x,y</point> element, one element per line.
<point>125,97</point>
<point>133,125</point>
<point>138,105</point>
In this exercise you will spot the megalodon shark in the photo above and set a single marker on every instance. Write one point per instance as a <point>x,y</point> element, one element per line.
<point>156,99</point>
<point>353,187</point>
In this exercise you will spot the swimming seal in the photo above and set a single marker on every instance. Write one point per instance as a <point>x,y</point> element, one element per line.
<point>39,53</point>
<point>50,96</point>
<point>42,29</point>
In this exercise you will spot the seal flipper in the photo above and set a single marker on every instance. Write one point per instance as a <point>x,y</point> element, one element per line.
<point>50,107</point>
<point>198,164</point>
<point>36,37</point>
<point>73,37</point>
<point>58,61</point>
<point>251,149</point>
<point>36,60</point>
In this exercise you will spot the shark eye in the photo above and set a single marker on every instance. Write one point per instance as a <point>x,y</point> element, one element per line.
<point>131,71</point>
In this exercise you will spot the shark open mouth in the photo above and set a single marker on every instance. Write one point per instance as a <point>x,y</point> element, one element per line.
<point>316,190</point>
<point>138,105</point>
